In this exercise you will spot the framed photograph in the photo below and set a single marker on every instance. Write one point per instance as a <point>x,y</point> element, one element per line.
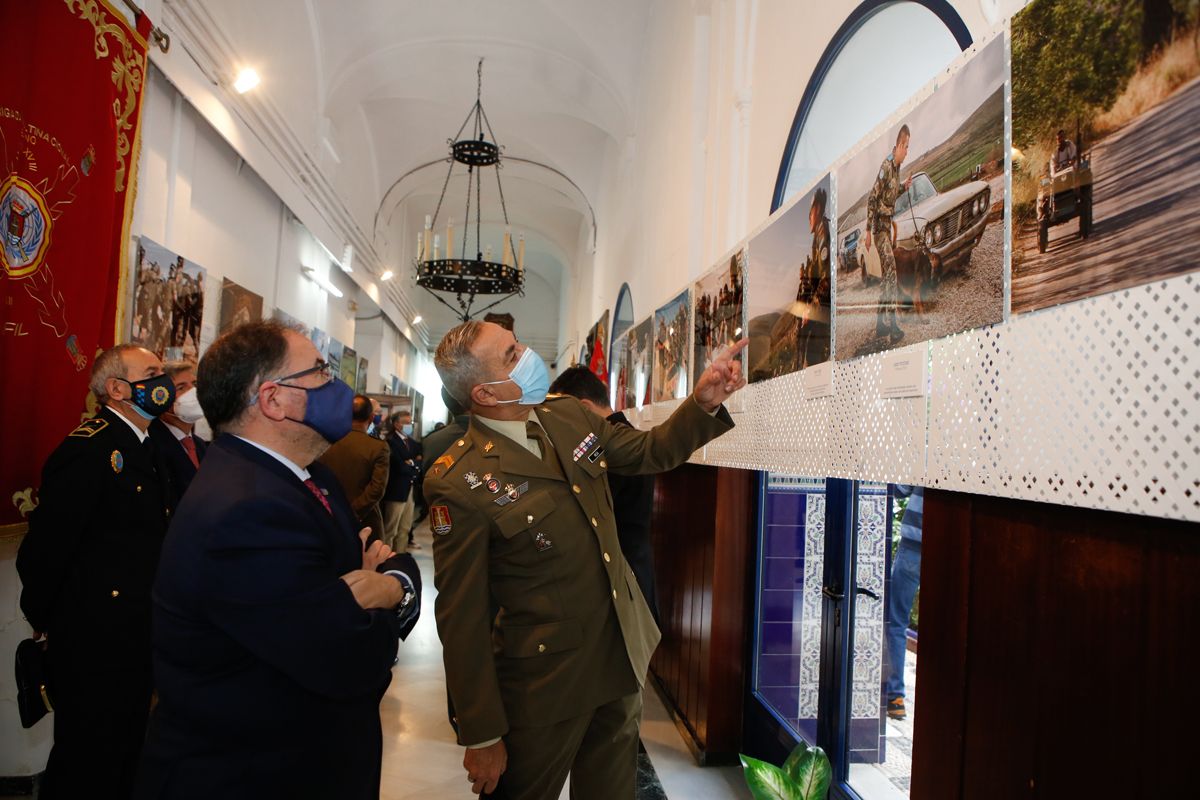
<point>719,317</point>
<point>238,305</point>
<point>168,303</point>
<point>672,324</point>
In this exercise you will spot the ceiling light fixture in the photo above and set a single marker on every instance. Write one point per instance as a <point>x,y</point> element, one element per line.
<point>460,275</point>
<point>246,80</point>
<point>324,283</point>
<point>417,319</point>
<point>387,275</point>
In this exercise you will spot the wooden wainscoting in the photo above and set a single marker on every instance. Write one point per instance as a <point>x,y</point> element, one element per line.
<point>703,534</point>
<point>1059,648</point>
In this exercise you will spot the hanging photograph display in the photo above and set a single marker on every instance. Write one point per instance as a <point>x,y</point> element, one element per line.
<point>790,288</point>
<point>168,303</point>
<point>238,305</point>
<point>641,360</point>
<point>594,357</point>
<point>292,322</point>
<point>621,387</point>
<point>719,317</point>
<point>672,323</point>
<point>1106,159</point>
<point>921,218</point>
<point>320,340</point>
<point>349,367</point>
<point>335,357</point>
<point>360,382</point>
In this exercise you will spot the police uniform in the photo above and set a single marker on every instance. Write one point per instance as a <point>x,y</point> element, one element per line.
<point>87,565</point>
<point>881,204</point>
<point>545,633</point>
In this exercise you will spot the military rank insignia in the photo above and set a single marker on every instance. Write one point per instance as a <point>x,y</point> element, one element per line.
<point>583,446</point>
<point>442,464</point>
<point>117,461</point>
<point>439,520</point>
<point>89,428</point>
<point>512,493</point>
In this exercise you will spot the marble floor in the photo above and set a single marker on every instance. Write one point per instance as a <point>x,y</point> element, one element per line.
<point>416,733</point>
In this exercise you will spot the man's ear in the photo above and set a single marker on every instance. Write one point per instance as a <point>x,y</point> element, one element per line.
<point>589,405</point>
<point>271,402</point>
<point>117,389</point>
<point>483,395</point>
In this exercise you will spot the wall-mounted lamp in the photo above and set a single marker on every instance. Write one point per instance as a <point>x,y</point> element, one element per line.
<point>246,80</point>
<point>312,275</point>
<point>387,275</point>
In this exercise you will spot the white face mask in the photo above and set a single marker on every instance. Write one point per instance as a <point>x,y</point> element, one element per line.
<point>187,406</point>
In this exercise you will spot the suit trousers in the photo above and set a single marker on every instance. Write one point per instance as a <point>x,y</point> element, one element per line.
<point>397,521</point>
<point>598,749</point>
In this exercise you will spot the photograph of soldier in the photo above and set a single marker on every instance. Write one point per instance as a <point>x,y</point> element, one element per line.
<point>238,306</point>
<point>620,370</point>
<point>791,288</point>
<point>1105,98</point>
<point>595,349</point>
<point>168,302</point>
<point>349,370</point>
<point>641,360</point>
<point>720,312</point>
<point>672,323</point>
<point>926,200</point>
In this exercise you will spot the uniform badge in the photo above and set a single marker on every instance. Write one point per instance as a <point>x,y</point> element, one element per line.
<point>487,448</point>
<point>583,446</point>
<point>117,460</point>
<point>472,480</point>
<point>595,454</point>
<point>89,428</point>
<point>439,520</point>
<point>493,485</point>
<point>542,542</point>
<point>512,493</point>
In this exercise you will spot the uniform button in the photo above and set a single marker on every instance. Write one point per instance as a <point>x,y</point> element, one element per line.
<point>541,648</point>
<point>606,558</point>
<point>139,488</point>
<point>575,488</point>
<point>461,442</point>
<point>603,464</point>
<point>594,523</point>
<point>614,594</point>
<point>529,518</point>
<point>115,593</point>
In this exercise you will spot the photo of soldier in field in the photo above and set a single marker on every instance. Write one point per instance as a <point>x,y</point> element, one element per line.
<point>921,218</point>
<point>719,319</point>
<point>641,360</point>
<point>1105,104</point>
<point>672,326</point>
<point>168,303</point>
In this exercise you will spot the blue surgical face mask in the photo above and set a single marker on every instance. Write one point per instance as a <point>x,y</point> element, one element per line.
<point>531,376</point>
<point>330,409</point>
<point>407,429</point>
<point>151,396</point>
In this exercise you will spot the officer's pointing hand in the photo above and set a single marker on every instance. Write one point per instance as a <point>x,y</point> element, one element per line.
<point>722,378</point>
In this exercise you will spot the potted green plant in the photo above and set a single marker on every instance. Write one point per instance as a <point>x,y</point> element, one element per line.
<point>805,775</point>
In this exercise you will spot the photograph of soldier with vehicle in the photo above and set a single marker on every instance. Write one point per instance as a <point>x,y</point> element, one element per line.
<point>791,283</point>
<point>921,218</point>
<point>1105,105</point>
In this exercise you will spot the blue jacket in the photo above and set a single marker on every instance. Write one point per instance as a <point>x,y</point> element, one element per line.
<point>268,672</point>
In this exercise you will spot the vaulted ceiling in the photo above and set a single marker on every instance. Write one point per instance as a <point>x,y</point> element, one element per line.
<point>371,90</point>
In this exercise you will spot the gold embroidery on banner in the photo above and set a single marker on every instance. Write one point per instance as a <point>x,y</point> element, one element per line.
<point>128,72</point>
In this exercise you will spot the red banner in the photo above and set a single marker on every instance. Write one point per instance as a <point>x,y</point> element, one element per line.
<point>70,111</point>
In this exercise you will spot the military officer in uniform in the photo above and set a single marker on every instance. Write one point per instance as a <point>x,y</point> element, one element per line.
<point>87,566</point>
<point>546,636</point>
<point>812,335</point>
<point>881,204</point>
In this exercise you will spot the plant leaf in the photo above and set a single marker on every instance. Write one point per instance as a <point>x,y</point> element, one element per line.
<point>813,775</point>
<point>767,781</point>
<point>798,754</point>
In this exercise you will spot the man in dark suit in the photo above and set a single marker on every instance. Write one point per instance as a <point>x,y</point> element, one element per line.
<point>176,439</point>
<point>87,565</point>
<point>274,628</point>
<point>360,463</point>
<point>633,495</point>
<point>397,498</point>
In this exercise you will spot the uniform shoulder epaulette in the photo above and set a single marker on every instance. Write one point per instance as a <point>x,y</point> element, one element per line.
<point>89,428</point>
<point>447,460</point>
<point>556,396</point>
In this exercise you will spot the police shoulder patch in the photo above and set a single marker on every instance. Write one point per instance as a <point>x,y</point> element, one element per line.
<point>89,428</point>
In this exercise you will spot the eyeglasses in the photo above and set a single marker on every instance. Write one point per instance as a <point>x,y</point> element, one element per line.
<point>324,368</point>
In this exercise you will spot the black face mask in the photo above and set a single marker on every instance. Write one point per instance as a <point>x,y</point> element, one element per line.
<point>152,396</point>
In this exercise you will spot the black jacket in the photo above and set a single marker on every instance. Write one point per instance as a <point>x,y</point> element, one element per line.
<point>268,672</point>
<point>400,473</point>
<point>181,468</point>
<point>633,503</point>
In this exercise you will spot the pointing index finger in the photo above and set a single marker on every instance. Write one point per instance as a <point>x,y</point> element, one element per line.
<point>732,350</point>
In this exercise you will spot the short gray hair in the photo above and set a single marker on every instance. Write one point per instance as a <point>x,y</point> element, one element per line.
<point>457,366</point>
<point>109,364</point>
<point>173,368</point>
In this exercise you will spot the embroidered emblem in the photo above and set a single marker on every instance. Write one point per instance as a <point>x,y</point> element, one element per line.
<point>439,520</point>
<point>595,454</point>
<point>89,428</point>
<point>542,542</point>
<point>472,480</point>
<point>512,493</point>
<point>160,395</point>
<point>583,446</point>
<point>117,460</point>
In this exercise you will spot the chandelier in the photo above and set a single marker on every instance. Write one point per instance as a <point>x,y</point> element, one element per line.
<point>466,276</point>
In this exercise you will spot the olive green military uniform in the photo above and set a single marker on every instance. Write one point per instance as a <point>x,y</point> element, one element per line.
<point>881,204</point>
<point>545,633</point>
